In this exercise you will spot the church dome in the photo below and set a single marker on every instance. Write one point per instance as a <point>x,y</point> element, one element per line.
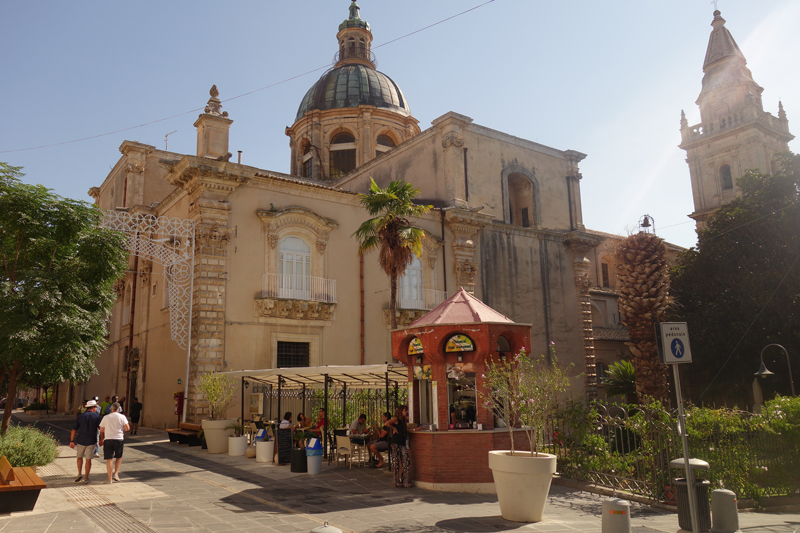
<point>351,86</point>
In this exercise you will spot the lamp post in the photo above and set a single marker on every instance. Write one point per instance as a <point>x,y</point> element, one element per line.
<point>762,371</point>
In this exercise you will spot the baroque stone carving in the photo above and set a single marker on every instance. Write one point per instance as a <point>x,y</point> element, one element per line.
<point>453,139</point>
<point>119,288</point>
<point>134,168</point>
<point>294,309</point>
<point>145,269</point>
<point>465,272</point>
<point>273,239</point>
<point>214,104</point>
<point>321,245</point>
<point>405,317</point>
<point>211,239</point>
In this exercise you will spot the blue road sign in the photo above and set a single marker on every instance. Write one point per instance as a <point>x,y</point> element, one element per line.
<point>676,347</point>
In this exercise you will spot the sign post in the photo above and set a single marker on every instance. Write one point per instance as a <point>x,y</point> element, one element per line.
<point>674,349</point>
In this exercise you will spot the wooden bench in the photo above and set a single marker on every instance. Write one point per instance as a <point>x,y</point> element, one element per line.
<point>19,487</point>
<point>185,433</point>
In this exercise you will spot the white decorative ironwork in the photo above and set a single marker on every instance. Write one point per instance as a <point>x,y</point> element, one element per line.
<point>169,242</point>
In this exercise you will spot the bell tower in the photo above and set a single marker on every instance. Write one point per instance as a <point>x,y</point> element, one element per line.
<point>735,133</point>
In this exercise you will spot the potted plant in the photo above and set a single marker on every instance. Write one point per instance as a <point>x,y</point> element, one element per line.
<point>523,392</point>
<point>265,447</point>
<point>218,391</point>
<point>237,443</point>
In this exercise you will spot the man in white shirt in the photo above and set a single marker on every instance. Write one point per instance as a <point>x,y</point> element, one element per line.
<point>112,433</point>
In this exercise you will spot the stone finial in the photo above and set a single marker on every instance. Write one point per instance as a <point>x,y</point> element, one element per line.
<point>781,112</point>
<point>684,122</point>
<point>214,105</point>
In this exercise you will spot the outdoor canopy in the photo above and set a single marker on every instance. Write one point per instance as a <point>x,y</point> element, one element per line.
<point>358,376</point>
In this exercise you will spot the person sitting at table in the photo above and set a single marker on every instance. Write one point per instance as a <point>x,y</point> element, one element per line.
<point>358,430</point>
<point>286,423</point>
<point>303,421</point>
<point>319,427</point>
<point>381,443</point>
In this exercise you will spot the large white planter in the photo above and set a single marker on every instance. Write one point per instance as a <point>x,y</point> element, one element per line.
<point>265,450</point>
<point>522,483</point>
<point>237,446</point>
<point>216,434</point>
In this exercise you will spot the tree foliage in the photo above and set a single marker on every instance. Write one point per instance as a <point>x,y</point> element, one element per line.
<point>390,231</point>
<point>218,391</point>
<point>739,289</point>
<point>57,267</point>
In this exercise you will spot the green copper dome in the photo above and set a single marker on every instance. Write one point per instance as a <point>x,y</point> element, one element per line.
<point>354,21</point>
<point>352,86</point>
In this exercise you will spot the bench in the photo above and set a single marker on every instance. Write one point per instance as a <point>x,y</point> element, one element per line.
<point>19,487</point>
<point>186,433</point>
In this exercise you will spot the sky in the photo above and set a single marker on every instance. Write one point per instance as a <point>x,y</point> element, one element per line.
<point>608,79</point>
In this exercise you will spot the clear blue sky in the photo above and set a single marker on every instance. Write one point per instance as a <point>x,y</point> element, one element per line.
<point>605,78</point>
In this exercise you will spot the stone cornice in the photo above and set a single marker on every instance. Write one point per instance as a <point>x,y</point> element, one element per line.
<point>192,173</point>
<point>132,146</point>
<point>538,233</point>
<point>581,241</point>
<point>295,215</point>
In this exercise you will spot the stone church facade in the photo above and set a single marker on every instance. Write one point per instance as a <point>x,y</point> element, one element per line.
<point>277,280</point>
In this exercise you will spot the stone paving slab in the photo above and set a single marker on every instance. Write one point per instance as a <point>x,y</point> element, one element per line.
<point>167,487</point>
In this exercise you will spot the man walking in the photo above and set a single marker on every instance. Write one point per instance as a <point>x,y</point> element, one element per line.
<point>136,413</point>
<point>112,433</point>
<point>83,438</point>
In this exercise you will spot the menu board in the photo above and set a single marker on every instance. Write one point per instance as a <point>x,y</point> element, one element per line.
<point>284,443</point>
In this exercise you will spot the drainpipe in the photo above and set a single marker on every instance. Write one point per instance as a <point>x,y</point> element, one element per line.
<point>361,284</point>
<point>130,325</point>
<point>444,254</point>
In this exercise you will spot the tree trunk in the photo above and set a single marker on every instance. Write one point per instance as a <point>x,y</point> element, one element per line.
<point>393,301</point>
<point>11,397</point>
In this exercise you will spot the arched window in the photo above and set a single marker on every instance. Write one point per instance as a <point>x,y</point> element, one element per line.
<point>521,200</point>
<point>383,143</point>
<point>342,154</point>
<point>294,269</point>
<point>503,346</point>
<point>410,285</point>
<point>307,161</point>
<point>725,177</point>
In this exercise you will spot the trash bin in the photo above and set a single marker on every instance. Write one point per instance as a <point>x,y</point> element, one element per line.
<point>314,456</point>
<point>703,506</point>
<point>701,494</point>
<point>299,464</point>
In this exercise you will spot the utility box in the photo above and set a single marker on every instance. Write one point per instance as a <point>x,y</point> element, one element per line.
<point>724,512</point>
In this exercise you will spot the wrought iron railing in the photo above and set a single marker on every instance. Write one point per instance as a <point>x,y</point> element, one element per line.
<point>430,299</point>
<point>298,288</point>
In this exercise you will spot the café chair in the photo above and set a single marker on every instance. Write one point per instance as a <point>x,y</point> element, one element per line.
<point>344,448</point>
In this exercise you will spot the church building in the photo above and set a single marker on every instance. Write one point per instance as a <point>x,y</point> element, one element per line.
<point>246,268</point>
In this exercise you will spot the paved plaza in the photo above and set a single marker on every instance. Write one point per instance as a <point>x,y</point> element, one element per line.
<point>171,488</point>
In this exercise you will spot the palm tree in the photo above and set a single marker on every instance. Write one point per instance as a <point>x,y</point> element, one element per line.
<point>390,231</point>
<point>643,274</point>
<point>620,380</point>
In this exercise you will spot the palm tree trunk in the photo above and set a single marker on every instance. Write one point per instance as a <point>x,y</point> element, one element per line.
<point>393,301</point>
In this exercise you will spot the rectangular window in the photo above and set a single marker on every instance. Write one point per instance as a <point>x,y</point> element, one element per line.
<point>525,222</point>
<point>307,167</point>
<point>606,279</point>
<point>342,162</point>
<point>293,354</point>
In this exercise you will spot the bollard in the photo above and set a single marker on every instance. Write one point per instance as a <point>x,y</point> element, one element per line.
<point>724,513</point>
<point>616,516</point>
<point>326,529</point>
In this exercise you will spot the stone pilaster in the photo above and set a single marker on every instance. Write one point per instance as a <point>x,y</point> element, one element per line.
<point>465,226</point>
<point>136,161</point>
<point>208,185</point>
<point>582,283</point>
<point>452,128</point>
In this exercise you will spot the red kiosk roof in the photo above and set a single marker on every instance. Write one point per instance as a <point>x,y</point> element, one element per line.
<point>461,308</point>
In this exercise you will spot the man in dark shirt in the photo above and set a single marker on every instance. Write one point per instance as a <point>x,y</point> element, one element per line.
<point>85,429</point>
<point>136,412</point>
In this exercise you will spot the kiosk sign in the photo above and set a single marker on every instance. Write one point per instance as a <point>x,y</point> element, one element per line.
<point>673,342</point>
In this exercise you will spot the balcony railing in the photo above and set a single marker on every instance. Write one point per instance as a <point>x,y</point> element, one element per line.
<point>298,288</point>
<point>430,299</point>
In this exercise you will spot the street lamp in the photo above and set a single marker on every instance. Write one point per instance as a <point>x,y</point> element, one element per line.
<point>762,371</point>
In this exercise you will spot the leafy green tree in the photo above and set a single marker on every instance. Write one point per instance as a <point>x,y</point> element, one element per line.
<point>739,289</point>
<point>391,232</point>
<point>57,266</point>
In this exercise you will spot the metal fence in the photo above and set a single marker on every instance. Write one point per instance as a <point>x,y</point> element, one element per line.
<point>629,448</point>
<point>344,404</point>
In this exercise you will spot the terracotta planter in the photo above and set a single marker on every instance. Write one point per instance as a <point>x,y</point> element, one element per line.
<point>237,446</point>
<point>216,434</point>
<point>522,483</point>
